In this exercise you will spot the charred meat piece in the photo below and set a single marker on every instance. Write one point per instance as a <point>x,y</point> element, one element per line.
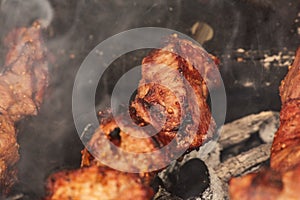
<point>173,91</point>
<point>285,152</point>
<point>95,183</point>
<point>23,80</point>
<point>281,180</point>
<point>172,87</point>
<point>267,185</point>
<point>25,72</point>
<point>109,134</point>
<point>8,153</point>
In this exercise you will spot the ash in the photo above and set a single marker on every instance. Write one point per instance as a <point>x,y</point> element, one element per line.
<point>242,147</point>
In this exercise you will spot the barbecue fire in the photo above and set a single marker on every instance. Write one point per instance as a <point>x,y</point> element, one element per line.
<point>255,43</point>
<point>179,111</point>
<point>23,81</point>
<point>281,180</point>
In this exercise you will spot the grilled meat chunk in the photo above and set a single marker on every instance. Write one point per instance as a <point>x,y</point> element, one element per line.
<point>173,91</point>
<point>267,185</point>
<point>285,152</point>
<point>172,87</point>
<point>282,180</point>
<point>23,80</point>
<point>25,72</point>
<point>130,148</point>
<point>8,153</point>
<point>95,183</point>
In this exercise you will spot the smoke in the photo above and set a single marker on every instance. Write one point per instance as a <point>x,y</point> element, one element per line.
<point>73,28</point>
<point>25,12</point>
<point>49,141</point>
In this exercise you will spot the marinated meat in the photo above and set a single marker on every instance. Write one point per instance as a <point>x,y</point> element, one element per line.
<point>281,180</point>
<point>8,153</point>
<point>171,86</point>
<point>131,148</point>
<point>268,184</point>
<point>285,152</point>
<point>95,183</point>
<point>173,91</point>
<point>23,80</point>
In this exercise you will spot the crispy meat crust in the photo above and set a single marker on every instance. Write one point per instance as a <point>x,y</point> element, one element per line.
<point>155,98</point>
<point>285,152</point>
<point>95,183</point>
<point>102,149</point>
<point>267,185</point>
<point>282,180</point>
<point>173,90</point>
<point>23,80</point>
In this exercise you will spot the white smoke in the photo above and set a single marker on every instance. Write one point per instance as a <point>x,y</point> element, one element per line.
<point>27,11</point>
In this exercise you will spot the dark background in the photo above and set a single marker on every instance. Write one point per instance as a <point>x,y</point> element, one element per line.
<point>50,142</point>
